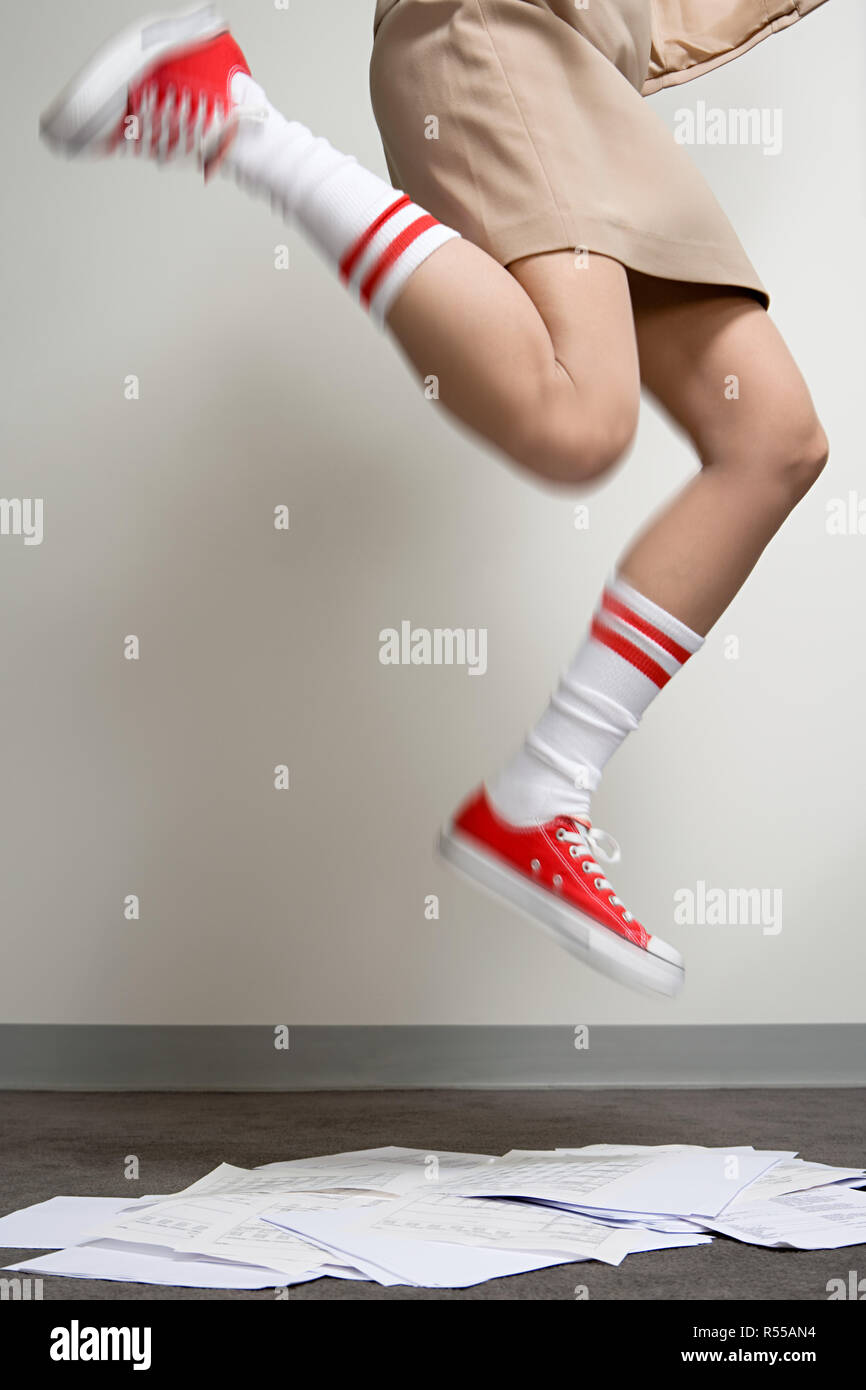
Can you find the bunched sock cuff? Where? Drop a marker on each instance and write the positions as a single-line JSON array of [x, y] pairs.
[[389, 250], [374, 235], [645, 637], [632, 650]]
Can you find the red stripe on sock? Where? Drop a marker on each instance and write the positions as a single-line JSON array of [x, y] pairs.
[[619, 610], [393, 253], [629, 652], [354, 254]]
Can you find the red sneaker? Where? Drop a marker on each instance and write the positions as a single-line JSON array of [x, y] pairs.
[[160, 88], [550, 872]]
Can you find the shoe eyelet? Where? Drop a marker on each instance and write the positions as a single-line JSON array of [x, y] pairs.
[[597, 882], [560, 834], [585, 866], [535, 865], [557, 880]]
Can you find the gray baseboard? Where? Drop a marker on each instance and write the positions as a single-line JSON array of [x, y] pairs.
[[135, 1058]]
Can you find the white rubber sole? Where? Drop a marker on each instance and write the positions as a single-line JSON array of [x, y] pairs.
[[88, 109], [595, 945]]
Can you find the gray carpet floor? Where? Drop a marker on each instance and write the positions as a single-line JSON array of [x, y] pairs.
[[65, 1143]]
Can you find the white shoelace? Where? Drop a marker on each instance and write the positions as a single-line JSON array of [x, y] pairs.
[[591, 840], [172, 129]]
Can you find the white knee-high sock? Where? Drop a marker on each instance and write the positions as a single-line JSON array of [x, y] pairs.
[[373, 234], [632, 650]]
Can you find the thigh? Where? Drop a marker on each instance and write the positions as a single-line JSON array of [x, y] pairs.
[[585, 305], [542, 361], [717, 364]]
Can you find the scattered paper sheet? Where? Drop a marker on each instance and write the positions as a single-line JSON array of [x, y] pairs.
[[793, 1175], [824, 1218], [59, 1221], [648, 1221], [434, 1216], [686, 1183], [413, 1261], [391, 1169], [95, 1261], [225, 1227]]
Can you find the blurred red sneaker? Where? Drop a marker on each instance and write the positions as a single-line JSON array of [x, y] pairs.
[[161, 88], [551, 873]]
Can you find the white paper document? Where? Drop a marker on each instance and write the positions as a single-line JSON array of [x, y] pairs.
[[420, 1262], [227, 1227], [154, 1266], [389, 1169], [825, 1218], [59, 1221], [647, 1221], [438, 1215], [794, 1175], [687, 1182]]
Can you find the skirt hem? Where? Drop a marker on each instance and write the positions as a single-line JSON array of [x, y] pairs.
[[694, 262]]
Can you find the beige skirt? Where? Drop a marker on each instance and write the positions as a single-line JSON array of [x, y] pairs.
[[521, 124]]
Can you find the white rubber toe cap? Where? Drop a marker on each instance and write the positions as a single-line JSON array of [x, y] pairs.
[[657, 947]]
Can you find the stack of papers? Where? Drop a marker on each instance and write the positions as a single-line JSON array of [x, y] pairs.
[[436, 1219]]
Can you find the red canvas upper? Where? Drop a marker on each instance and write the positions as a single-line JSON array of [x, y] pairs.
[[204, 70], [520, 846]]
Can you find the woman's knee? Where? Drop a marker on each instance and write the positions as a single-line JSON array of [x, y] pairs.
[[786, 450], [578, 445], [809, 455]]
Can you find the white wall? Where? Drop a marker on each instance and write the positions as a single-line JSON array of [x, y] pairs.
[[261, 387]]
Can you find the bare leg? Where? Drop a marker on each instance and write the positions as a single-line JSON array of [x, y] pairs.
[[718, 365], [539, 359]]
